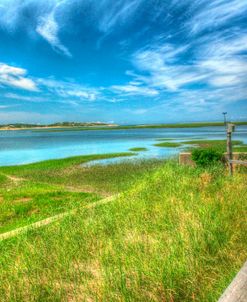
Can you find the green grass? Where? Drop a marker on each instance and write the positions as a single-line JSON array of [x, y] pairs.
[[242, 148], [29, 202], [36, 191], [176, 234], [137, 149], [206, 143], [65, 172], [168, 145], [219, 145]]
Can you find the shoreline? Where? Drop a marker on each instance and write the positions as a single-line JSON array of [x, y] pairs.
[[113, 127]]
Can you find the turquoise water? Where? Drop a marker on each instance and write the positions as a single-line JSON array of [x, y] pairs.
[[26, 146]]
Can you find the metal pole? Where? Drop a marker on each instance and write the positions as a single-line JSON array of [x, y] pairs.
[[229, 149], [224, 113]]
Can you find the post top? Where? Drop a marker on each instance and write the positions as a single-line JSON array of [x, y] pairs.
[[230, 127]]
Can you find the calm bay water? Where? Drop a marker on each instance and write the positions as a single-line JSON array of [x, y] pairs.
[[27, 146]]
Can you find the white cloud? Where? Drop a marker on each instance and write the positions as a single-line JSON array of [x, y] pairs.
[[16, 77], [216, 13], [26, 98], [164, 67], [134, 90], [110, 14], [7, 69], [81, 94], [5, 106], [70, 89], [48, 28], [43, 19], [218, 62], [139, 111]]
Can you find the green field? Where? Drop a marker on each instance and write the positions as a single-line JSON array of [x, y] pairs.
[[173, 234]]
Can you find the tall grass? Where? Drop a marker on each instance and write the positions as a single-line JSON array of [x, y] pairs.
[[176, 234]]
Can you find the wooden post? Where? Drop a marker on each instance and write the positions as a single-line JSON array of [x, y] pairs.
[[230, 129], [237, 290]]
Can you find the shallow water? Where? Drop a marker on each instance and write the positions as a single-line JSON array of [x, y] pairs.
[[27, 146]]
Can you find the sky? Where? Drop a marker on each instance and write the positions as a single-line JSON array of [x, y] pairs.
[[122, 61]]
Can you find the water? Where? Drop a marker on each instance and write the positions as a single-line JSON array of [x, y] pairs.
[[27, 146]]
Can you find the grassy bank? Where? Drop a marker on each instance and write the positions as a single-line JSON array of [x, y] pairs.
[[36, 191], [175, 234]]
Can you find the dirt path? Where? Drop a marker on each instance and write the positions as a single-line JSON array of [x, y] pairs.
[[83, 189], [14, 178], [49, 220]]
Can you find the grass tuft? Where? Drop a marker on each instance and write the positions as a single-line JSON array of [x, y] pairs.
[[168, 145], [137, 149]]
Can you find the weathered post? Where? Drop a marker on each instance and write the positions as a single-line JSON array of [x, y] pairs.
[[230, 129]]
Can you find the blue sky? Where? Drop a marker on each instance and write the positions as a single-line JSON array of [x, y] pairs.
[[122, 61]]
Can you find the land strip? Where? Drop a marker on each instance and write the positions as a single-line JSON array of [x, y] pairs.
[[81, 127]]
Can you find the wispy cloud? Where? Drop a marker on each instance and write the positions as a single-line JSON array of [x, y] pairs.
[[26, 98], [48, 28], [116, 13], [65, 89], [216, 13], [131, 89], [164, 67], [217, 63], [16, 77], [43, 20]]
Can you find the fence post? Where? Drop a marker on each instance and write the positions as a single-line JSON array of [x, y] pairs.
[[230, 129]]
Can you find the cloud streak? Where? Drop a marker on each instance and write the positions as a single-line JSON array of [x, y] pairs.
[[16, 77], [48, 28], [214, 14]]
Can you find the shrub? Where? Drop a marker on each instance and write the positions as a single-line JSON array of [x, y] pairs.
[[206, 157]]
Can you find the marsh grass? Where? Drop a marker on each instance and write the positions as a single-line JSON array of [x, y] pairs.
[[168, 145], [175, 234], [62, 172], [241, 148], [137, 149], [212, 143], [36, 191]]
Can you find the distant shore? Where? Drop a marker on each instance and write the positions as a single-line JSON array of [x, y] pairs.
[[48, 127], [77, 127]]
